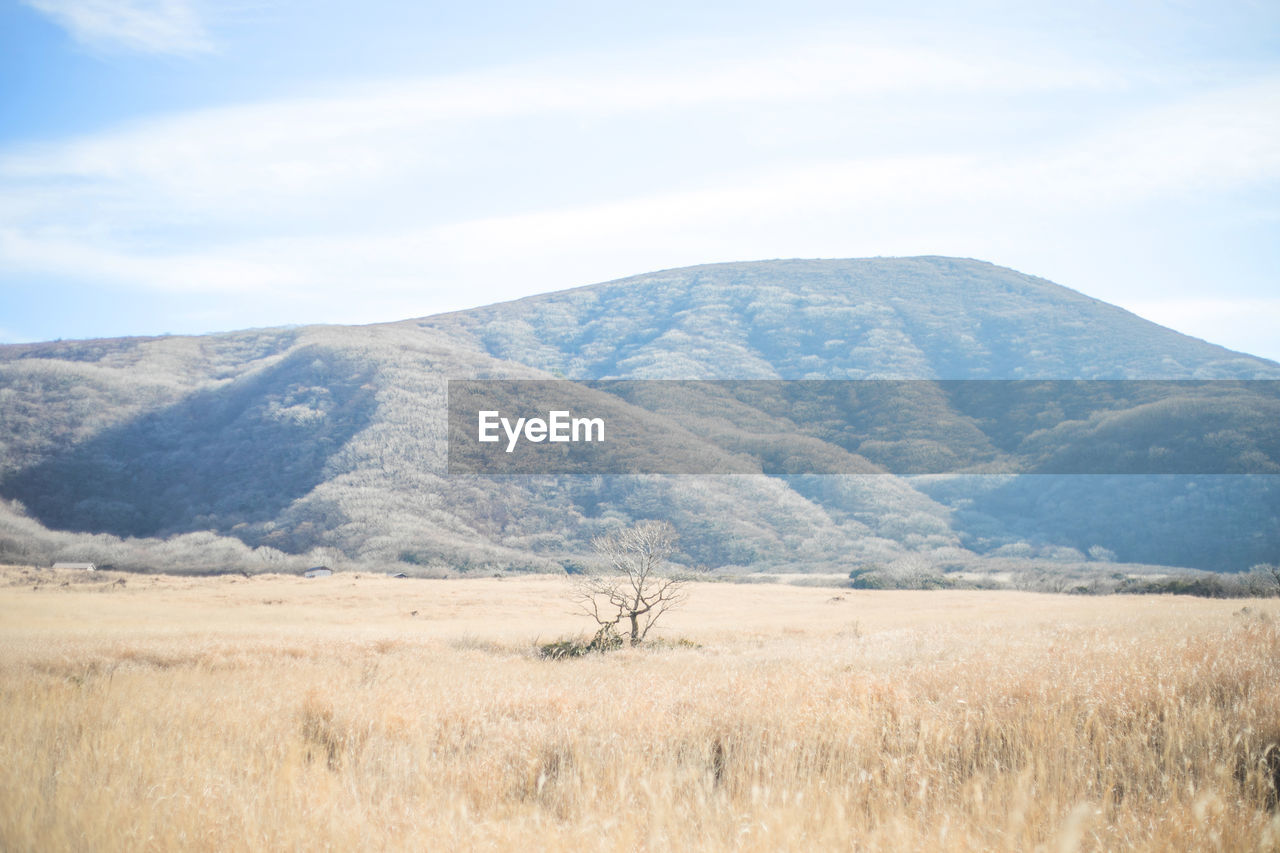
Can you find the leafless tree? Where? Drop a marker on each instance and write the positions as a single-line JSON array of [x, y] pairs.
[[636, 587]]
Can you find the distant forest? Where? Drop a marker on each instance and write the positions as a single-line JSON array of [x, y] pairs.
[[273, 449]]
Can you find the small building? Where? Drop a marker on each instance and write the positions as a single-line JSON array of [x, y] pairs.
[[318, 572], [76, 567], [396, 575]]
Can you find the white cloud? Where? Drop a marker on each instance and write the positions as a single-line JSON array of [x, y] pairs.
[[144, 26], [371, 120], [407, 192], [1221, 138], [215, 269], [133, 202]]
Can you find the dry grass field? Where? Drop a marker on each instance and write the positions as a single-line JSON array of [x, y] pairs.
[[276, 713]]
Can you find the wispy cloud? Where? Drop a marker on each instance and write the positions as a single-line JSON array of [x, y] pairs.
[[403, 154], [444, 192], [172, 27], [1225, 137], [284, 149]]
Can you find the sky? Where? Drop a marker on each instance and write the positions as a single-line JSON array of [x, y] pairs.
[[189, 166]]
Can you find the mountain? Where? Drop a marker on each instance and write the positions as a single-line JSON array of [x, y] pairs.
[[272, 447], [908, 318]]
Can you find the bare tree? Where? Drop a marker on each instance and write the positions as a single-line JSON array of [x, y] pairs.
[[636, 587]]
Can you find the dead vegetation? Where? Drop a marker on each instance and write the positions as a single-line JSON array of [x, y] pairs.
[[179, 717]]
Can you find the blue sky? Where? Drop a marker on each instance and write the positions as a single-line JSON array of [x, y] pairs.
[[185, 166]]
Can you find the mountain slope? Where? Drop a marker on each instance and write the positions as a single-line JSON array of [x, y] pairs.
[[329, 442], [900, 318]]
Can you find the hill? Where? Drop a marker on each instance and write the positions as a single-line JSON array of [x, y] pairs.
[[269, 448], [890, 318]]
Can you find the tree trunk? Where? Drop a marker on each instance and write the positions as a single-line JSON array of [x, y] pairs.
[[635, 630]]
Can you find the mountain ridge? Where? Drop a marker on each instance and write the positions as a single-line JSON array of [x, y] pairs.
[[876, 308], [142, 451]]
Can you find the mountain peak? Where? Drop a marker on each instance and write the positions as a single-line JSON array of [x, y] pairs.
[[918, 317]]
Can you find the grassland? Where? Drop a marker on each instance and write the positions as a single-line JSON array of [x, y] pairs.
[[276, 713]]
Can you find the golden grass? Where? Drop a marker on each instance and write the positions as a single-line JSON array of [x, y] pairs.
[[276, 713]]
